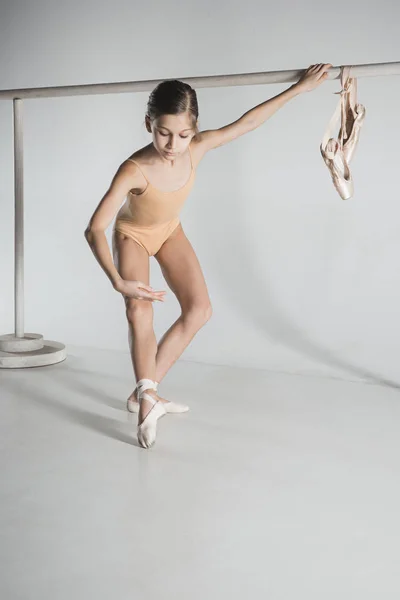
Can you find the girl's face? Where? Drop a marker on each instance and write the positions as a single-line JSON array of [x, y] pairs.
[[172, 134]]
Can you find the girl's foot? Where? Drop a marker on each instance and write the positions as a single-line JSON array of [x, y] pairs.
[[133, 399], [145, 406], [170, 407], [150, 410]]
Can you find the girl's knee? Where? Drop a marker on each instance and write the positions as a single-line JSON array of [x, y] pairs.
[[198, 314], [208, 312], [139, 311]]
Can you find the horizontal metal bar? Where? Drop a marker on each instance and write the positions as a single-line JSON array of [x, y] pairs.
[[368, 70]]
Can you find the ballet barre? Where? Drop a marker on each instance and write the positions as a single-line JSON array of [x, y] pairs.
[[291, 76]]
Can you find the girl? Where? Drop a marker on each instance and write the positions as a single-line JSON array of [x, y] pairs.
[[156, 181]]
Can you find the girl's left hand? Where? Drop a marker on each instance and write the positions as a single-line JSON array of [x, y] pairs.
[[313, 77]]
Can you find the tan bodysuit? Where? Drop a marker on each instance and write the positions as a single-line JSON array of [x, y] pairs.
[[149, 218]]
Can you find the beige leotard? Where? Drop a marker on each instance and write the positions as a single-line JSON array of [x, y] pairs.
[[149, 218]]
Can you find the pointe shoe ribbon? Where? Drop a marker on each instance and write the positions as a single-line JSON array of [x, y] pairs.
[[170, 407]]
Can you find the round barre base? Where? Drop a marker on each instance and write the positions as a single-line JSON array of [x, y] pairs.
[[50, 354], [30, 341]]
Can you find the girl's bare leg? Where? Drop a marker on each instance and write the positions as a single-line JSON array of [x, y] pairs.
[[183, 274], [132, 262]]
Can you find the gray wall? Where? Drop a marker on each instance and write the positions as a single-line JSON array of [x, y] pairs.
[[300, 281]]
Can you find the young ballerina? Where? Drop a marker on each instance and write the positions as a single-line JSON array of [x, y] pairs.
[[155, 181]]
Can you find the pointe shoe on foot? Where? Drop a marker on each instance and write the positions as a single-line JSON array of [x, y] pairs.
[[146, 431], [170, 407]]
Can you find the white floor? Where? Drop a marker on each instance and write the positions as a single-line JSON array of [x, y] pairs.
[[273, 486]]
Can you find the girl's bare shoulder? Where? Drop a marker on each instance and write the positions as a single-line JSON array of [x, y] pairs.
[[198, 148], [141, 156]]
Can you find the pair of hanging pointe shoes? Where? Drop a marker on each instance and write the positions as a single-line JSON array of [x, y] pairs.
[[337, 153], [147, 429]]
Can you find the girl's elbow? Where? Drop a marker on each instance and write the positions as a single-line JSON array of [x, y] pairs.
[[91, 231], [89, 234]]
